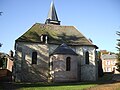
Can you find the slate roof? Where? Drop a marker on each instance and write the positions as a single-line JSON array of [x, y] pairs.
[[57, 34], [109, 56], [52, 15], [64, 49]]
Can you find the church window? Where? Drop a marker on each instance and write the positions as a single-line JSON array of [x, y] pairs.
[[68, 63], [34, 58], [51, 62], [87, 57]]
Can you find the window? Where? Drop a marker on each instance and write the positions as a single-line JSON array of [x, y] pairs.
[[34, 58], [107, 62], [108, 69], [113, 62], [87, 57], [68, 63], [44, 38], [51, 61]]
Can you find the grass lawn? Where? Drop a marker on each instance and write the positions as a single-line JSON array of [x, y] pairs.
[[103, 82], [118, 87], [58, 86]]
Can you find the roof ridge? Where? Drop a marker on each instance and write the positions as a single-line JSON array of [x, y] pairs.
[[56, 25]]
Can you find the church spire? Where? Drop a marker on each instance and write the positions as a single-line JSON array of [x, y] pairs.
[[52, 16]]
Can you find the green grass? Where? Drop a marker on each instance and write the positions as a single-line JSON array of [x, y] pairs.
[[118, 88], [59, 86]]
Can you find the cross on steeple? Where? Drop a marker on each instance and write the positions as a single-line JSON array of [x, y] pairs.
[[52, 16]]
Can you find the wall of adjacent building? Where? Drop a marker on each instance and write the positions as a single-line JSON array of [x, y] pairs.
[[109, 65], [9, 64]]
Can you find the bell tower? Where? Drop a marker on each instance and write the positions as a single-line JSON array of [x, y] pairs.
[[52, 17]]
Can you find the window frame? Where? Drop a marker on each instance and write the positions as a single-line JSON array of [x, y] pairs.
[[68, 63], [107, 62], [34, 57], [87, 61]]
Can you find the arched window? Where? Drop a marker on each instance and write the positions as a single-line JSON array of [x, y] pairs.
[[87, 57], [68, 63], [51, 62], [34, 58]]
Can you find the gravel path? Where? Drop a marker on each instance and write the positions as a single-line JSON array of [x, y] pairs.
[[113, 86]]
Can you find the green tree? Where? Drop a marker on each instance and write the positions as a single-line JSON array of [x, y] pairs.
[[118, 54], [1, 62], [0, 44], [100, 70]]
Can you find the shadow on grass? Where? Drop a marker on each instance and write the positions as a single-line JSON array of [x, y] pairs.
[[106, 79], [20, 86]]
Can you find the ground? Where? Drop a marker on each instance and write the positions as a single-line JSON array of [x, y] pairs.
[[111, 83], [108, 82], [113, 86]]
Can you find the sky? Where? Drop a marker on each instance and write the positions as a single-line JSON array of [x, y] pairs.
[[96, 19]]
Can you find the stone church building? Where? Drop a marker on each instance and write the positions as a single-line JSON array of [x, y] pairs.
[[53, 52]]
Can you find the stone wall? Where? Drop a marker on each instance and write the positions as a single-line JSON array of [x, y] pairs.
[[27, 72], [89, 72], [58, 70], [86, 72], [24, 69]]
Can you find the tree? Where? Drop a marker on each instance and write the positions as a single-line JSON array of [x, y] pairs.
[[100, 70], [118, 54], [1, 62], [0, 44]]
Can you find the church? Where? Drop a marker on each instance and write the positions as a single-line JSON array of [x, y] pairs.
[[52, 52]]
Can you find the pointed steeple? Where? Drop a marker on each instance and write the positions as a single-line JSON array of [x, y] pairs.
[[52, 16]]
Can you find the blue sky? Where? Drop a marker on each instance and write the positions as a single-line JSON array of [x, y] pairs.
[[96, 19]]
